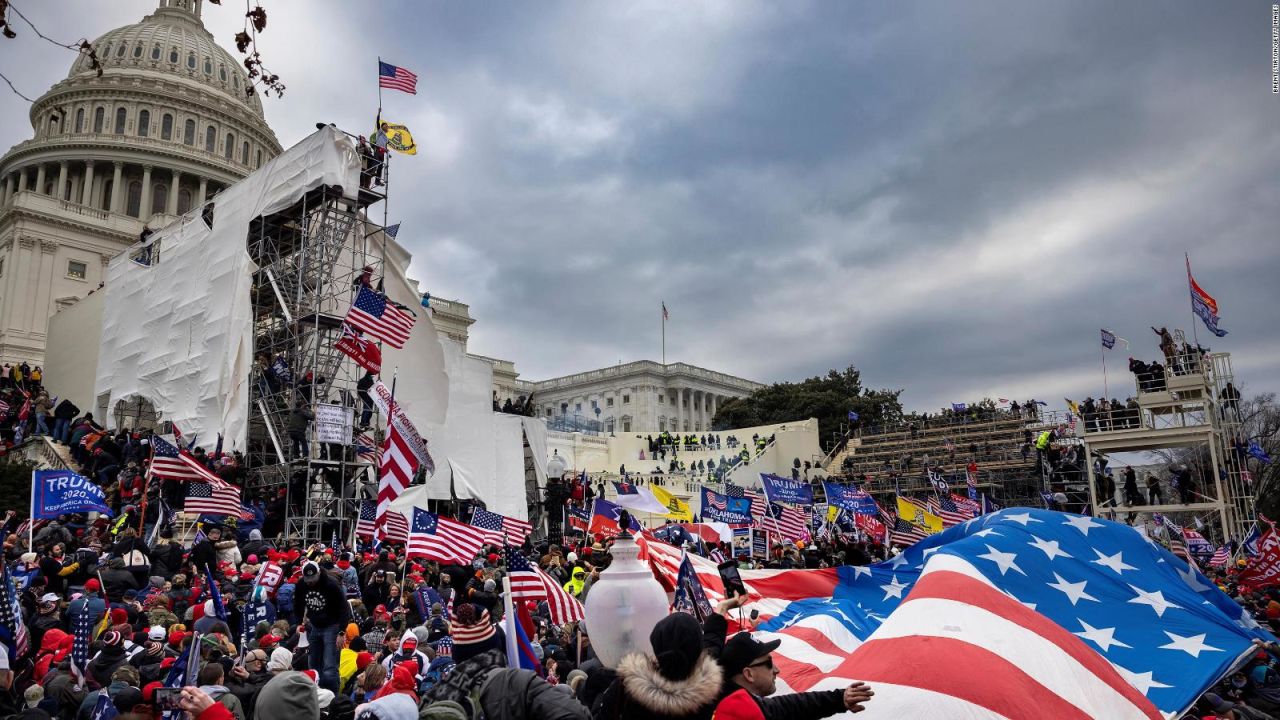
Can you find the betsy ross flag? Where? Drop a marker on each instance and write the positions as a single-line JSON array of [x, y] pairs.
[[171, 463], [207, 498], [366, 353], [500, 529], [443, 539], [397, 526], [529, 582], [373, 313], [393, 77]]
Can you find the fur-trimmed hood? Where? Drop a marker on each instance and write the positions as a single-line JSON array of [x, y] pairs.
[[677, 698]]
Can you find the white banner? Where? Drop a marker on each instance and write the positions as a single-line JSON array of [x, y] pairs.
[[333, 424], [382, 398]]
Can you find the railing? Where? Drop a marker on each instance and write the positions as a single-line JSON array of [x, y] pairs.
[[41, 451]]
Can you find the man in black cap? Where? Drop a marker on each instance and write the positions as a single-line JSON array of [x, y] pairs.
[[321, 601], [749, 668]]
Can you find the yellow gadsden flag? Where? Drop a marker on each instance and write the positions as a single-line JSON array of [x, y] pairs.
[[918, 516], [399, 138], [678, 509]]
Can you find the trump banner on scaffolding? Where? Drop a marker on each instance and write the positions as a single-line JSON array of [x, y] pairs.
[[60, 492]]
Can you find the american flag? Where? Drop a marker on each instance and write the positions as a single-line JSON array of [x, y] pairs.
[[443, 539], [501, 530], [1177, 543], [212, 499], [786, 521], [4, 409], [529, 582], [374, 314], [397, 526], [947, 509], [171, 463], [1221, 557], [104, 709], [12, 629], [82, 632], [366, 448], [758, 504], [444, 647], [397, 78], [734, 490], [954, 609], [394, 475]]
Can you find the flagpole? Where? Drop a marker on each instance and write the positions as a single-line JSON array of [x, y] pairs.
[[1195, 334], [379, 86], [664, 333], [1106, 393], [31, 514], [146, 484]]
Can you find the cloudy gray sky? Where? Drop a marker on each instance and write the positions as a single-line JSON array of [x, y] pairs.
[[953, 197]]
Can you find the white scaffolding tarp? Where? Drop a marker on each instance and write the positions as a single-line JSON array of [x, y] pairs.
[[179, 331]]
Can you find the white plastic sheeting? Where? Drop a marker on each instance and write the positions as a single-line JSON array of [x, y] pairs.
[[478, 451], [424, 387], [179, 332], [535, 429]]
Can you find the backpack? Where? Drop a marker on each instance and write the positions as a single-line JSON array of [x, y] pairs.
[[436, 672]]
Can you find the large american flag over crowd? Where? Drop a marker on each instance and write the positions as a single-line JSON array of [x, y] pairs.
[[1089, 601]]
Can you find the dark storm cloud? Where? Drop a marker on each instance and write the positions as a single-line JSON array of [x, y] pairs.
[[953, 197]]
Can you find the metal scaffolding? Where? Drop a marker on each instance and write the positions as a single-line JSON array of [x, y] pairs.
[[310, 258]]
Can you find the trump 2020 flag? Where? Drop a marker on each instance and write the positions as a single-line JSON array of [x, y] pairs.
[[605, 518], [62, 492]]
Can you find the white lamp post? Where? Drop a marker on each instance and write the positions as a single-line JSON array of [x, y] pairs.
[[624, 604]]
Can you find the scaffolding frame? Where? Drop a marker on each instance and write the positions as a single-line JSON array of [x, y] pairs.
[[309, 258], [1183, 406]]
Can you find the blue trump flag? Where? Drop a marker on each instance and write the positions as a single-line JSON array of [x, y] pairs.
[[689, 596], [851, 498], [1165, 627], [853, 416], [59, 492], [722, 508], [784, 490]]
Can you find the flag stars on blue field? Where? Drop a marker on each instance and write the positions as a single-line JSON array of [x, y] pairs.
[[1049, 547], [1104, 638], [1115, 562], [1003, 560], [1154, 599], [1075, 592], [1192, 645]]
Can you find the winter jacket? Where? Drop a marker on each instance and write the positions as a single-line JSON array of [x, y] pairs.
[[226, 698], [66, 410], [520, 695], [641, 692], [325, 604]]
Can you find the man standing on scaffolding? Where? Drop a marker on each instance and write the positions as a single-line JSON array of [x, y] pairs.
[[380, 141]]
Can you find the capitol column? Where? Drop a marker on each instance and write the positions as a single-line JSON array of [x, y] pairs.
[[8, 188], [39, 188], [200, 196], [116, 195], [61, 192], [144, 212], [86, 194], [172, 205], [22, 180]]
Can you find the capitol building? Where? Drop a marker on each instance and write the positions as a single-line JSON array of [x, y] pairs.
[[168, 124]]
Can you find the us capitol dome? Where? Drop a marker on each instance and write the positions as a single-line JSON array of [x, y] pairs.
[[168, 125]]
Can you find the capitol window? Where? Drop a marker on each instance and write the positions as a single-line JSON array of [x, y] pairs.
[[120, 50], [244, 154], [137, 50], [626, 399], [133, 206], [191, 60], [222, 73], [144, 123], [210, 139], [166, 127], [120, 118], [173, 55], [99, 116], [189, 132], [229, 148], [257, 160], [155, 53], [208, 66], [608, 402], [80, 120], [1, 267], [76, 269]]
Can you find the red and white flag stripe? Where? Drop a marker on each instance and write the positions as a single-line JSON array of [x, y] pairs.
[[395, 473], [955, 612]]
